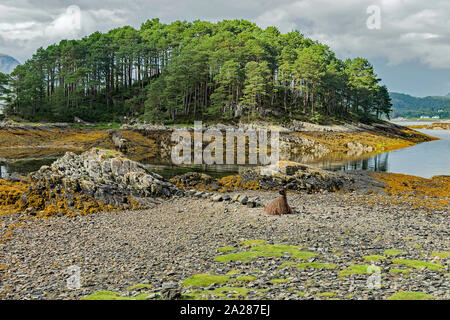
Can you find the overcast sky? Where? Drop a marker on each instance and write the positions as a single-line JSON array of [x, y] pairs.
[[410, 50]]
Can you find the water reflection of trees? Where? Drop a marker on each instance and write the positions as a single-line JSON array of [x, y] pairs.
[[379, 162]]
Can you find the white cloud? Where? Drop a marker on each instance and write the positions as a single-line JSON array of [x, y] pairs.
[[411, 30], [66, 24], [23, 30]]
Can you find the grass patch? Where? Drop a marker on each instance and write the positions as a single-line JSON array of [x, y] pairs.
[[279, 280], [233, 272], [374, 258], [234, 291], [326, 294], [405, 295], [303, 255], [240, 256], [442, 255], [402, 271], [354, 269], [266, 251], [418, 264], [316, 265], [246, 278], [219, 293], [204, 280], [110, 295], [287, 265], [253, 242], [225, 249], [394, 252], [279, 250]]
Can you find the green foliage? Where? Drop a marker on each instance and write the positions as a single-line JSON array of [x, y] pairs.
[[169, 73]]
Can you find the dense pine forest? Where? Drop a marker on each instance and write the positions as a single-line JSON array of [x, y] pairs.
[[225, 71]]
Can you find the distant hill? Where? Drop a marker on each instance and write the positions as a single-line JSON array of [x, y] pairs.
[[7, 63], [407, 106]]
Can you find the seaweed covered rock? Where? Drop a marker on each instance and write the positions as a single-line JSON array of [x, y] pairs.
[[294, 176], [283, 174], [196, 180], [97, 180]]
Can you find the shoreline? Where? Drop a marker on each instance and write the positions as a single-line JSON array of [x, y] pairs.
[[342, 224], [297, 141]]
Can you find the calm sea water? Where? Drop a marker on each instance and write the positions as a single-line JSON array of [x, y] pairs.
[[425, 160]]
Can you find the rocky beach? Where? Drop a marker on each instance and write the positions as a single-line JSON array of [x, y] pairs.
[[356, 235], [320, 252]]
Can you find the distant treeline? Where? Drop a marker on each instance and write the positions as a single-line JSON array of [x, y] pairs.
[[230, 70], [412, 107]]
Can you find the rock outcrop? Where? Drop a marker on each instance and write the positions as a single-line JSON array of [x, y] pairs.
[[97, 180], [283, 174], [294, 176]]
